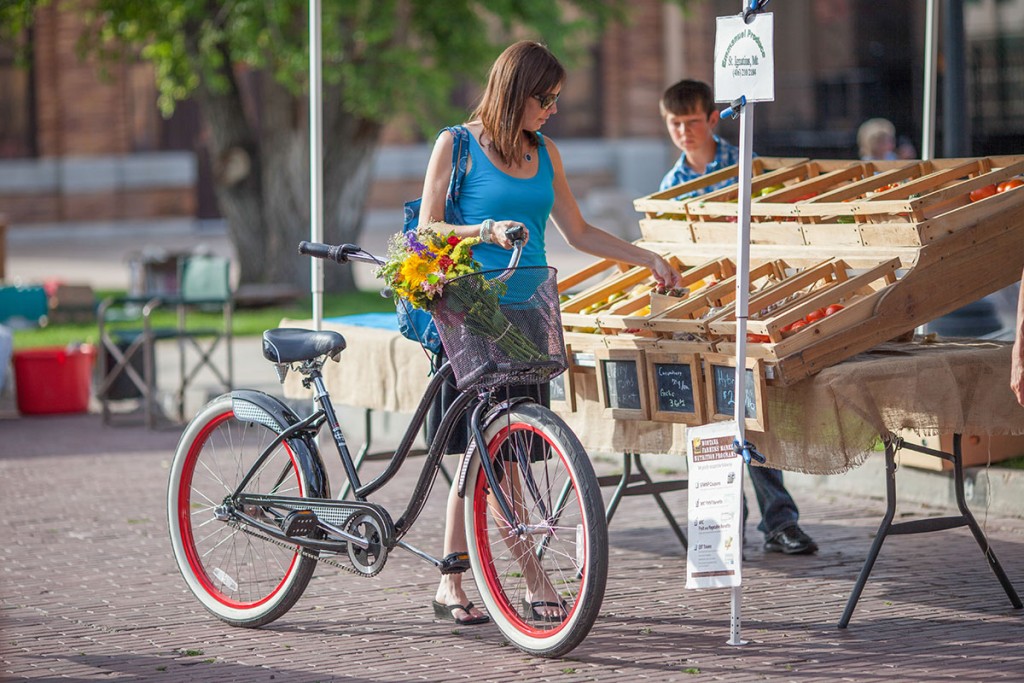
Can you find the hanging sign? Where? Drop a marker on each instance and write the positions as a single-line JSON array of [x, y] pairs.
[[745, 59], [715, 516]]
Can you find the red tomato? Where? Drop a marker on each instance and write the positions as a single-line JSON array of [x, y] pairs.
[[758, 338], [1009, 184], [815, 315], [834, 308], [983, 192], [797, 325]]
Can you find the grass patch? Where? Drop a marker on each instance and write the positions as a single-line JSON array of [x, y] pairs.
[[1013, 464], [246, 322]]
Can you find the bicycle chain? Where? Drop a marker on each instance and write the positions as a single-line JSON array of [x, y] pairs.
[[306, 553]]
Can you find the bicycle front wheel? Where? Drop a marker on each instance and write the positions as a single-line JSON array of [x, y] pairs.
[[243, 579], [555, 550]]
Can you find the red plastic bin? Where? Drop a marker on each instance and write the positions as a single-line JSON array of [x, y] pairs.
[[53, 380]]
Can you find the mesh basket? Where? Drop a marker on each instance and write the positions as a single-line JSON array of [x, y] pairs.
[[499, 333]]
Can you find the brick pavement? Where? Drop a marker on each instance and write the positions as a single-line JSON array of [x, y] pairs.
[[89, 592]]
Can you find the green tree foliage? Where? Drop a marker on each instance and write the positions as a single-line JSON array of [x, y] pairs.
[[246, 64]]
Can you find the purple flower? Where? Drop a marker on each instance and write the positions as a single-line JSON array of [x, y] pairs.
[[414, 244]]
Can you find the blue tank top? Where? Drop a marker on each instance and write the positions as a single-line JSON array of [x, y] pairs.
[[488, 192]]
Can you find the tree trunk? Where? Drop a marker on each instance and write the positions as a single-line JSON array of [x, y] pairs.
[[262, 181], [349, 145]]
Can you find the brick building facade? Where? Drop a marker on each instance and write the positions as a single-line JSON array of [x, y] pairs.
[[78, 146], [92, 138]]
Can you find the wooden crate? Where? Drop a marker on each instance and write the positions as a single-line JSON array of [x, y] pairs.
[[694, 315], [890, 208], [919, 247], [807, 292], [897, 244], [623, 302]]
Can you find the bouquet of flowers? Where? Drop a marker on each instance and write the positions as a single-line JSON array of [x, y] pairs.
[[419, 266]]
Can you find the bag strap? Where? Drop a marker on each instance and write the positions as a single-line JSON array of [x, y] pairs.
[[460, 160]]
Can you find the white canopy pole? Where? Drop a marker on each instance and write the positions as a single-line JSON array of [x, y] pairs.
[[316, 169], [742, 306], [931, 54]]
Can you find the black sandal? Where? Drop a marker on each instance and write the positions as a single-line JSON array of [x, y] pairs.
[[531, 609], [442, 611]]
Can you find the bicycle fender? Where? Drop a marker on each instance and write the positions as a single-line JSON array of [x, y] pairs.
[[492, 415], [267, 410]]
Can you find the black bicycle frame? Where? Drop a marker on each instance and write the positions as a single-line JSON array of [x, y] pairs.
[[467, 403]]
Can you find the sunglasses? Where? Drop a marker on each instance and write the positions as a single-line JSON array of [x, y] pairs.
[[546, 101]]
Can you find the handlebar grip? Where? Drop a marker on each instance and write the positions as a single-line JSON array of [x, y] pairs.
[[336, 253], [314, 249], [515, 234]]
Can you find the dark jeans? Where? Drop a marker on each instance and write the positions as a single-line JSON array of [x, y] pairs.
[[778, 509], [541, 393]]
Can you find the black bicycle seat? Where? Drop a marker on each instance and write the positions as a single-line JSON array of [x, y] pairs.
[[288, 345]]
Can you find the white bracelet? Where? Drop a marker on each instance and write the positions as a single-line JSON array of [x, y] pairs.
[[486, 231]]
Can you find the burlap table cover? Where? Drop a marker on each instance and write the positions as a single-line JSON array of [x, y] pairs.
[[379, 369], [823, 425]]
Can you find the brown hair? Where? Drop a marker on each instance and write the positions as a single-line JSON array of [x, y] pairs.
[[687, 97], [524, 69]]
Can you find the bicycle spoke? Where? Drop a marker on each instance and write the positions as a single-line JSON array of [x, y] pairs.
[[237, 574], [554, 549]]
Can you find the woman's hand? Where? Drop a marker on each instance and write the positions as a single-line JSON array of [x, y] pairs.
[[663, 272], [496, 232]]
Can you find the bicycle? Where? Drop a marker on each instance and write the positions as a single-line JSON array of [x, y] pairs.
[[249, 504]]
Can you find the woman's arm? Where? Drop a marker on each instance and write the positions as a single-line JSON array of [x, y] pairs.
[[1017, 364], [593, 240], [435, 190]]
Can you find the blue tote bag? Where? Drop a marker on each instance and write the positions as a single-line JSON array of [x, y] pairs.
[[414, 323]]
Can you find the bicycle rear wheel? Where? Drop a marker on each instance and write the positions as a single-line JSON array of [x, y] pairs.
[[562, 534], [243, 579]]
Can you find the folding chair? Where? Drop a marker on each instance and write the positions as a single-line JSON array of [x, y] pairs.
[[128, 354], [205, 287]]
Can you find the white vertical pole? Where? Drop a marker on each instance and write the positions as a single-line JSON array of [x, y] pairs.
[[931, 57], [316, 170], [742, 304]]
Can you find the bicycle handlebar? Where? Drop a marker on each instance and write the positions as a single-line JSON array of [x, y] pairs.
[[340, 253], [343, 253], [516, 236]]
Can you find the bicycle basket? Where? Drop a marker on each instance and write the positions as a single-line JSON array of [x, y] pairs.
[[499, 333]]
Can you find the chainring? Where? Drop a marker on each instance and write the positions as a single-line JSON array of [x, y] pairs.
[[367, 561]]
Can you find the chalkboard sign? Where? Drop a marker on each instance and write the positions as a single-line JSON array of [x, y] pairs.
[[563, 390], [674, 384], [676, 387], [558, 388], [720, 380], [724, 380], [622, 383]]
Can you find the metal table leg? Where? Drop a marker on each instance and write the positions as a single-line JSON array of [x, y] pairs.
[[965, 518], [629, 484]]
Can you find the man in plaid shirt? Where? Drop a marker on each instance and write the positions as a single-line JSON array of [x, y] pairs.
[[688, 108]]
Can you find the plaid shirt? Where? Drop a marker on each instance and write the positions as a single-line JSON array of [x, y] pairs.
[[726, 155]]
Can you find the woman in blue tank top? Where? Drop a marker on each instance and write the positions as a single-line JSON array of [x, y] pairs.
[[514, 178]]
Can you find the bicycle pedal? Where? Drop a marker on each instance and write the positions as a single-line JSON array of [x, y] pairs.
[[299, 523], [454, 563]]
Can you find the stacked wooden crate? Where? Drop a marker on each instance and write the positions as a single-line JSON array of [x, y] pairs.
[[844, 255]]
